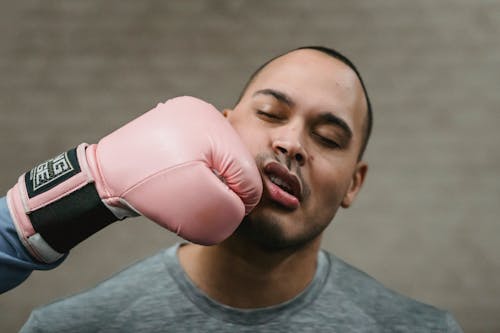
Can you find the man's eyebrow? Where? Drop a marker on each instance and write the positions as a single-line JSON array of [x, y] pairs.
[[330, 118], [280, 96]]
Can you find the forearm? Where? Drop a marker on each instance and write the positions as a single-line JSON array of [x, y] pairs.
[[16, 264]]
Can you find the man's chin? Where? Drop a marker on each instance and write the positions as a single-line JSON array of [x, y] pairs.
[[271, 234]]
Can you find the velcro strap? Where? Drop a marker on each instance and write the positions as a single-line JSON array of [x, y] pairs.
[[71, 219]]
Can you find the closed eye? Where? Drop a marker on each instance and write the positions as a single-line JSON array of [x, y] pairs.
[[267, 115], [326, 141]]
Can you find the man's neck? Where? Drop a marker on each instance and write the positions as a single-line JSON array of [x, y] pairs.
[[243, 275]]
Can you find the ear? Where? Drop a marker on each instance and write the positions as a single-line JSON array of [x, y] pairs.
[[357, 181]]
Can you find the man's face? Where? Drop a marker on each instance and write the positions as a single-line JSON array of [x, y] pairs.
[[302, 119]]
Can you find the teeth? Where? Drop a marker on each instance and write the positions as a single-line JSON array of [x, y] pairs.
[[280, 183]]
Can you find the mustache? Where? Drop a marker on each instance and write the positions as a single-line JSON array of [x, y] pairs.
[[289, 163]]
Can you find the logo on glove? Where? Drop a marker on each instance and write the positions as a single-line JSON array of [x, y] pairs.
[[52, 172]]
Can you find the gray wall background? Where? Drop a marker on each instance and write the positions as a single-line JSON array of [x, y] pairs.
[[427, 221]]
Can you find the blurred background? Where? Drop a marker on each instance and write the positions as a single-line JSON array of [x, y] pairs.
[[427, 222]]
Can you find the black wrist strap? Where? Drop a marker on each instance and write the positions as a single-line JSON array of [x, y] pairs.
[[70, 220]]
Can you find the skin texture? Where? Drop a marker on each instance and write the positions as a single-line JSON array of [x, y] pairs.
[[304, 112]]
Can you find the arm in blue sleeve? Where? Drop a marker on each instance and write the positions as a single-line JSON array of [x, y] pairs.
[[16, 264]]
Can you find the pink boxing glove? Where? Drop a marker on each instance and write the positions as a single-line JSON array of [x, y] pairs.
[[181, 165]]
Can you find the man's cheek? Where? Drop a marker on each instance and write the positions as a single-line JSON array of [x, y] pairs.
[[332, 194], [250, 140]]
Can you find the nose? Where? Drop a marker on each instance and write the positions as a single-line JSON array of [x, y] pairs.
[[288, 143]]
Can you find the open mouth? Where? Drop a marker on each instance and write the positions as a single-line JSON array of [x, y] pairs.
[[281, 183], [283, 186]]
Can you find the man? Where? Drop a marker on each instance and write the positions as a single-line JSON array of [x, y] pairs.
[[306, 118]]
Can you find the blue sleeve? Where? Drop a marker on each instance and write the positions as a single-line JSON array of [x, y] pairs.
[[16, 264]]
